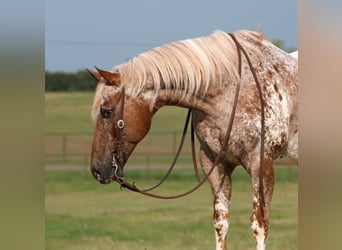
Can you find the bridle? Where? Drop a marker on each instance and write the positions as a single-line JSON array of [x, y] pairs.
[[121, 124]]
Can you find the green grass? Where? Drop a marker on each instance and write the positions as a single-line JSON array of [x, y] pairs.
[[83, 214], [68, 112]]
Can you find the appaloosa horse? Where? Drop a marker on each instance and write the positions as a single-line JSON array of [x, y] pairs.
[[204, 75]]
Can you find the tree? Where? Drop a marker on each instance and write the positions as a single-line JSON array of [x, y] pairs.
[[62, 81], [280, 44]]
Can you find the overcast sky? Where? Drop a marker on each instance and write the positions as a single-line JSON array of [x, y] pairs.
[[82, 33]]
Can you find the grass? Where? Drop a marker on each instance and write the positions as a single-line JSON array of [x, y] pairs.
[[82, 214], [68, 112]]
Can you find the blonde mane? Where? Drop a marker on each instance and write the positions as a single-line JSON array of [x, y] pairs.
[[188, 66]]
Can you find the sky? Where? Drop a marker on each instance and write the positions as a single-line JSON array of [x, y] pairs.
[[80, 34]]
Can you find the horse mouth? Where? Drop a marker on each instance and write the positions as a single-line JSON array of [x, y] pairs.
[[115, 176], [109, 172], [100, 178]]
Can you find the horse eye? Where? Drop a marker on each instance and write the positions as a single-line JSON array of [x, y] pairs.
[[106, 113]]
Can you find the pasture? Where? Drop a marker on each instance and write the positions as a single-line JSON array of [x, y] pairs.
[[83, 214]]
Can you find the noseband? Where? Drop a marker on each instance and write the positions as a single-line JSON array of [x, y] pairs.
[[121, 126]]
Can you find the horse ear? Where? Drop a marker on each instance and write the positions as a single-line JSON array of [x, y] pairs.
[[95, 75], [111, 78]]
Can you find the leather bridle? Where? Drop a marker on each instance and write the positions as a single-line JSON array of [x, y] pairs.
[[121, 124], [119, 156]]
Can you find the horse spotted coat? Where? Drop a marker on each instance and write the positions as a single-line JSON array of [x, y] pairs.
[[201, 74]]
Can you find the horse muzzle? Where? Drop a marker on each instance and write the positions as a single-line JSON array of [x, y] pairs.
[[110, 171]]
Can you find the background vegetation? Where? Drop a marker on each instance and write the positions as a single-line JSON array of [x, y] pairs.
[[63, 81]]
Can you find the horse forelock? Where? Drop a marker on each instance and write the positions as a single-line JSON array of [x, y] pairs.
[[189, 67], [97, 100]]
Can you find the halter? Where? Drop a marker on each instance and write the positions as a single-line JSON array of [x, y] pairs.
[[121, 125]]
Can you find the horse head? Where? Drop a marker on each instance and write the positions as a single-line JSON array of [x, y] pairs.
[[121, 123]]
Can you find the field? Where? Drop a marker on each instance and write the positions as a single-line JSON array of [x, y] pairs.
[[83, 214]]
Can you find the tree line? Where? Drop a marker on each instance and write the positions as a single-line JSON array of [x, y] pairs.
[[82, 81], [63, 81]]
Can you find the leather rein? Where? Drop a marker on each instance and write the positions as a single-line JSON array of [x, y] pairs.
[[120, 126]]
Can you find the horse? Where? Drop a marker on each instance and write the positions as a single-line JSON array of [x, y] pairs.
[[203, 75]]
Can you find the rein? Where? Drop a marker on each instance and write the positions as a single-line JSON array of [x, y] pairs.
[[120, 126], [262, 135]]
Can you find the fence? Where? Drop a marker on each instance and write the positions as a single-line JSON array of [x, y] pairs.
[[156, 150], [74, 149]]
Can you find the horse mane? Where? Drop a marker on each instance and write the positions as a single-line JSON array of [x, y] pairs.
[[188, 66]]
